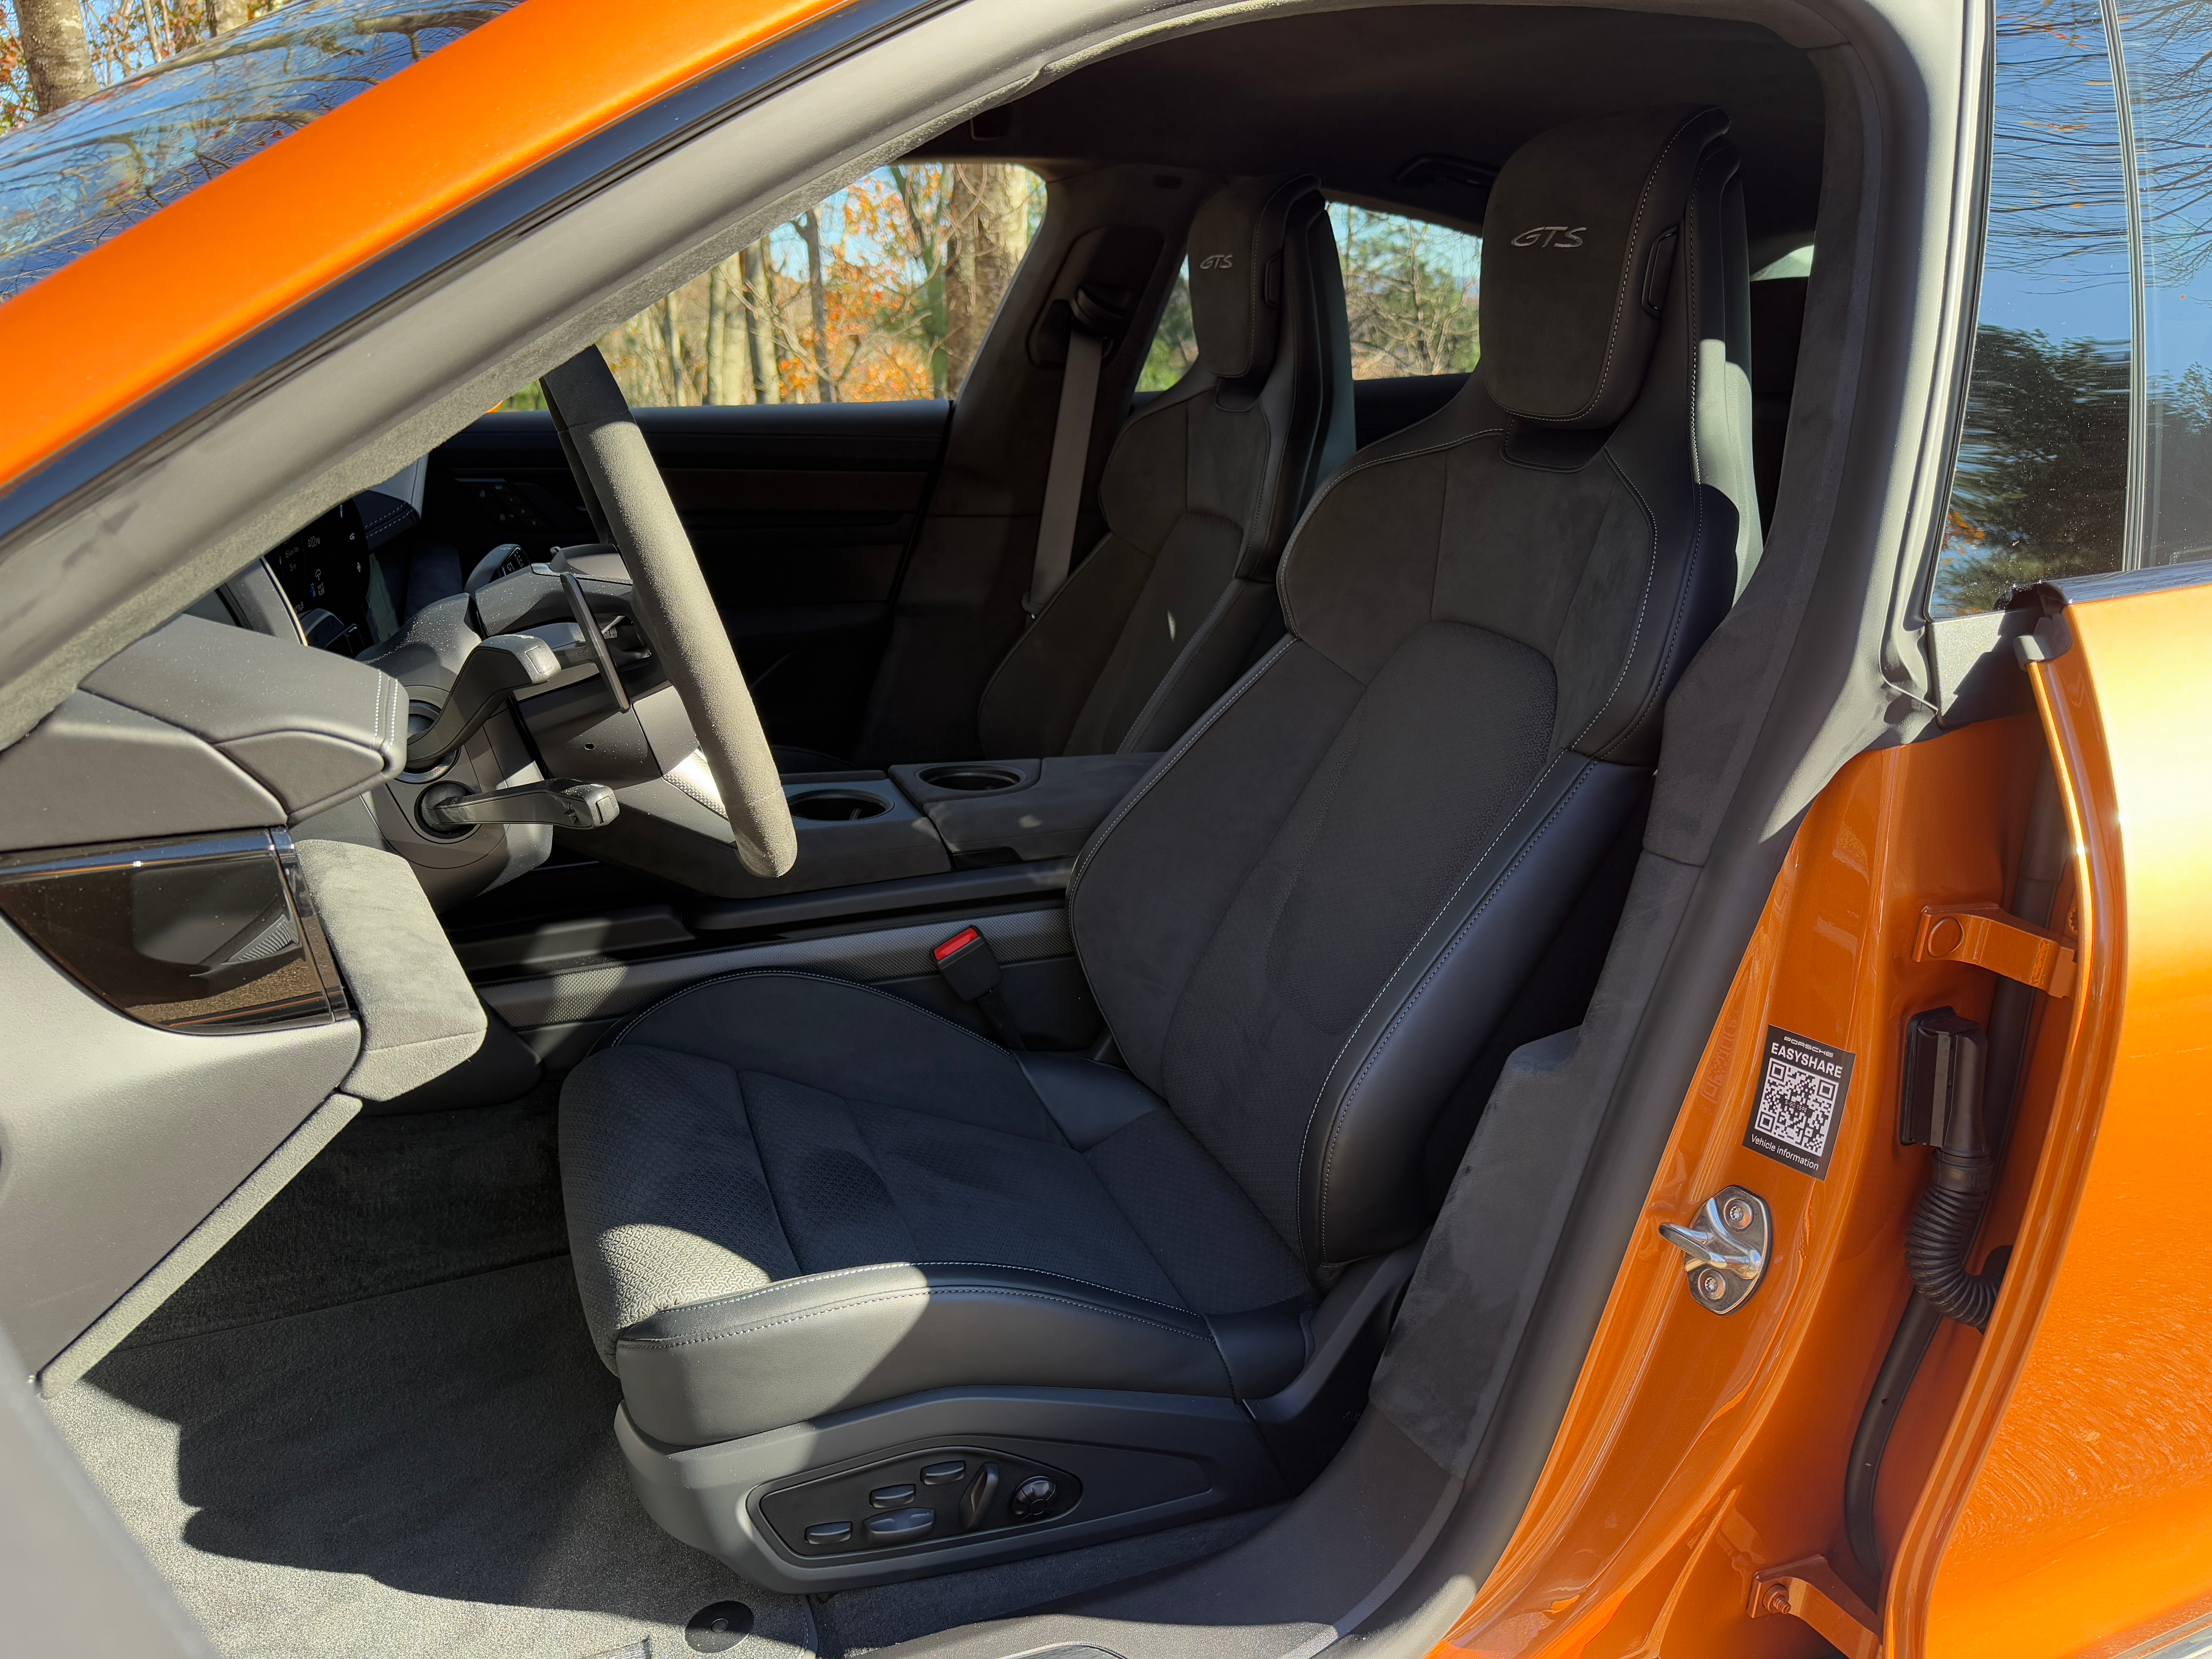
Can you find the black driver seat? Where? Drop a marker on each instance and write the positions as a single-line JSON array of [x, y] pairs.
[[813, 1224]]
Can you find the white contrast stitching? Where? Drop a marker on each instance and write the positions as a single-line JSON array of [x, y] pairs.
[[1229, 699], [735, 1297], [1329, 486], [1621, 294], [1643, 600]]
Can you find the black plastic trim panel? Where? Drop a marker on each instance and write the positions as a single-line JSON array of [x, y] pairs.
[[1146, 1461]]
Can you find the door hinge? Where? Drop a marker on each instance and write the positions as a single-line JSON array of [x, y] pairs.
[[1985, 936], [1809, 1591]]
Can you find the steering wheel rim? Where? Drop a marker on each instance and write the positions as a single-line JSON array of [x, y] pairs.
[[676, 611]]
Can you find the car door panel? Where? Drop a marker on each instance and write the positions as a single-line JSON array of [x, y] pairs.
[[2074, 1444], [182, 1033], [117, 1138]]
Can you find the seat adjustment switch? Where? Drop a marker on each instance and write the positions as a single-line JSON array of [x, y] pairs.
[[901, 1527], [1032, 1499], [975, 1503]]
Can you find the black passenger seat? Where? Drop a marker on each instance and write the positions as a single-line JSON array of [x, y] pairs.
[[819, 1231]]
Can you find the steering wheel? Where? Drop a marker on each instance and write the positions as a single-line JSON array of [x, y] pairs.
[[628, 501]]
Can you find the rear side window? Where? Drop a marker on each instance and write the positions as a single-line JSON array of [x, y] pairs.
[[1174, 342], [2086, 443], [882, 292], [1410, 293], [2040, 486]]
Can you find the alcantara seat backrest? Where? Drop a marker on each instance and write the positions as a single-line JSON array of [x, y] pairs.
[[1306, 924], [1199, 495]]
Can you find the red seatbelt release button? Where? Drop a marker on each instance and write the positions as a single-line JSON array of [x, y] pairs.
[[969, 965]]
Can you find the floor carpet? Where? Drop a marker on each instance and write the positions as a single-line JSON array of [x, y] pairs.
[[373, 1425], [428, 1472], [392, 1203]]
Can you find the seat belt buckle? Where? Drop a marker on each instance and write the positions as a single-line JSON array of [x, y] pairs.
[[970, 967]]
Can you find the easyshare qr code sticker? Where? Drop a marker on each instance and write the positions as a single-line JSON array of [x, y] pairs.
[[1801, 1089]]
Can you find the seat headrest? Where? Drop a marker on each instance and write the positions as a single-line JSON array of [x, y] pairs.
[[1236, 273], [1579, 239]]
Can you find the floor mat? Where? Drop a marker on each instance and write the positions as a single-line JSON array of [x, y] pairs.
[[392, 1203], [427, 1472]]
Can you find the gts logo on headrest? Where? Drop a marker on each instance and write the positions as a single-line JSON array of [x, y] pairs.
[[1551, 236], [1217, 262]]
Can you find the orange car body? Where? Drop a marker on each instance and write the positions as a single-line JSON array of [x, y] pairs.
[[2050, 1491], [2046, 1494]]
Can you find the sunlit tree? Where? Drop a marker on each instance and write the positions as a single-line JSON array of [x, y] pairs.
[[1410, 294]]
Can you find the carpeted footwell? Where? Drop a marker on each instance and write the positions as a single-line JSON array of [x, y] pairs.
[[428, 1472], [373, 1425]]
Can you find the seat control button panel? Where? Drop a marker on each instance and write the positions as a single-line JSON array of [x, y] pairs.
[[901, 1527], [930, 1499]]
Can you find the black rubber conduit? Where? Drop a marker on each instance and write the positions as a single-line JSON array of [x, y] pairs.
[[1950, 1210]]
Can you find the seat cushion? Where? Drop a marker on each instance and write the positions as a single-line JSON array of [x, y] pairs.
[[789, 1195]]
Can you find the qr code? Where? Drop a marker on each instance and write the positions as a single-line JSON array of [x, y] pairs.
[[1795, 1106]]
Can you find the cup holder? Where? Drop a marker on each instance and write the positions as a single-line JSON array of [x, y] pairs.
[[973, 779], [838, 807]]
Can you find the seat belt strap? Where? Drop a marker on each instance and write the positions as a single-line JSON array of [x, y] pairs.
[[1071, 448]]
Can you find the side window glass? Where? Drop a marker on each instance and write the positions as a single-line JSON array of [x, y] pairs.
[[1409, 292], [1174, 343], [2040, 487], [882, 292], [2165, 52]]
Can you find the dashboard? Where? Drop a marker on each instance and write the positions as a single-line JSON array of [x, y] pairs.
[[346, 573]]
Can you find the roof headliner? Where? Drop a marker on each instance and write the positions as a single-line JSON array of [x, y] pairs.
[[1353, 96]]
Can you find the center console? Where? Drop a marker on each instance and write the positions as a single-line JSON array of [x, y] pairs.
[[1013, 812]]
